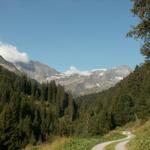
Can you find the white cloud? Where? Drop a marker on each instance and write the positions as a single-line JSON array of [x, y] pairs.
[[12, 54]]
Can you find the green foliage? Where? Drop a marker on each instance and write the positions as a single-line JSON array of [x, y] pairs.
[[87, 143], [36, 112], [141, 9], [8, 130], [30, 112], [128, 101]]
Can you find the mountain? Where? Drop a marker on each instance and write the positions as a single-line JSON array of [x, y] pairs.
[[36, 70], [41, 111], [75, 81], [8, 65], [86, 82]]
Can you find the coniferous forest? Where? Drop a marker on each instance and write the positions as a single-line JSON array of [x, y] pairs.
[[32, 113]]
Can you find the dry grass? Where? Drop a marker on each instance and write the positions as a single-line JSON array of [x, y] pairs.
[[57, 144]]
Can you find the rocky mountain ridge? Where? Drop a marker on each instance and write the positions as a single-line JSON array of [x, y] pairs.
[[75, 81], [87, 82]]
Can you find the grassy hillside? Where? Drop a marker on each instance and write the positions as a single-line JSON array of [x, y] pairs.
[[140, 142], [77, 143], [142, 139], [57, 144]]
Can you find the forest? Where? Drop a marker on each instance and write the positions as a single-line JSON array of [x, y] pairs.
[[128, 101], [33, 113]]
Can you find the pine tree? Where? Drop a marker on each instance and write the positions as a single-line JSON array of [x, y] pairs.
[[8, 129], [36, 125]]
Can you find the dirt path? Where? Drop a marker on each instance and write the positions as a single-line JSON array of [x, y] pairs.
[[122, 143]]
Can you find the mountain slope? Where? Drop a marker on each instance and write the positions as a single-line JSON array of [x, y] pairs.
[[36, 70], [142, 140], [75, 81], [128, 101], [8, 65], [86, 82], [36, 111], [31, 112]]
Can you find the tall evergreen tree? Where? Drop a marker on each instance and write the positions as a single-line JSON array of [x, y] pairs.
[[8, 130]]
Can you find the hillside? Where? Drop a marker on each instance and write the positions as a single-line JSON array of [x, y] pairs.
[[30, 112], [36, 70], [8, 65], [142, 140], [128, 101]]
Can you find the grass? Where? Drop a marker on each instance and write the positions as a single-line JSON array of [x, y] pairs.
[[57, 144], [142, 139], [77, 143], [111, 146], [88, 143]]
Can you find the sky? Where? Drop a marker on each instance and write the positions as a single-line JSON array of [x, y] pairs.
[[87, 34]]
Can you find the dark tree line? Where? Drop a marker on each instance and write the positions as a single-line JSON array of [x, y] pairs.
[[32, 113]]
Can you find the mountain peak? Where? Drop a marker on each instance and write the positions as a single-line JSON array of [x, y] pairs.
[[73, 70], [86, 82]]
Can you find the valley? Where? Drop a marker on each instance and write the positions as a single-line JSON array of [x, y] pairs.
[[42, 108], [43, 111]]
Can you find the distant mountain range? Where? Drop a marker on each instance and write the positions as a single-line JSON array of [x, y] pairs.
[[36, 70], [75, 81], [86, 82]]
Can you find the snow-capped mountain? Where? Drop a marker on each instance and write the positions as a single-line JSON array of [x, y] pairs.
[[86, 82]]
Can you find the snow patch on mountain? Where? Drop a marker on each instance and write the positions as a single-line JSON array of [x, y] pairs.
[[86, 82], [119, 78], [97, 84], [73, 70]]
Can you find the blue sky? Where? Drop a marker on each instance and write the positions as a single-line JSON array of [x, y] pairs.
[[86, 34]]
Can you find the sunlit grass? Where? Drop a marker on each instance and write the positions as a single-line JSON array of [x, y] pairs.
[[77, 143], [142, 139], [88, 143], [111, 146], [57, 144]]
